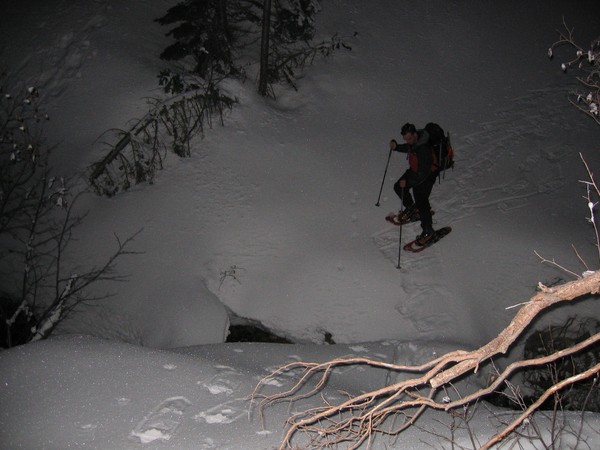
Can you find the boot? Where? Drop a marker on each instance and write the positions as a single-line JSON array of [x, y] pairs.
[[424, 237], [409, 214]]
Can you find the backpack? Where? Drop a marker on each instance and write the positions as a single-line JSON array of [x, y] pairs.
[[443, 154]]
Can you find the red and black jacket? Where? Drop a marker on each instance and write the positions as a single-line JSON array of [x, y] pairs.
[[420, 159]]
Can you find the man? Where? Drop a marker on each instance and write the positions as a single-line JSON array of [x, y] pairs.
[[420, 177]]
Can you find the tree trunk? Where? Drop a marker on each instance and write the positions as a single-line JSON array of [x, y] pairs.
[[222, 18], [263, 80]]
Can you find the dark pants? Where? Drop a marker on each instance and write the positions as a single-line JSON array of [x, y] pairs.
[[421, 194], [404, 193]]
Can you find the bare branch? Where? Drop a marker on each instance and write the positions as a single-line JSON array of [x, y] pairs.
[[594, 370], [36, 225], [358, 418], [554, 263]]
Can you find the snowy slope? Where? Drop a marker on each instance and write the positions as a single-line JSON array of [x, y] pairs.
[[285, 192], [283, 196], [90, 393]]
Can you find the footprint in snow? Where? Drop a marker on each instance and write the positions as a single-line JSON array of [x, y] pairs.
[[219, 385], [162, 422], [217, 389], [224, 413], [271, 382], [88, 430], [359, 349], [123, 401]]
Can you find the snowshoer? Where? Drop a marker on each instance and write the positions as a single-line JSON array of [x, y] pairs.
[[420, 177]]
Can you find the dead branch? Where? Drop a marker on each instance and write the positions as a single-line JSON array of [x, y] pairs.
[[170, 124], [357, 419], [554, 263], [594, 370]]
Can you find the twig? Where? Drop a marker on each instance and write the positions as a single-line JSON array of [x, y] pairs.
[[554, 263]]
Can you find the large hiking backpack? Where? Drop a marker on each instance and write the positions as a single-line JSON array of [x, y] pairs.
[[442, 148]]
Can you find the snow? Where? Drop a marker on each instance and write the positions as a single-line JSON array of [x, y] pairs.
[[273, 217]]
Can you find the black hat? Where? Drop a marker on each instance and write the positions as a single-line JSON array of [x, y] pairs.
[[408, 128]]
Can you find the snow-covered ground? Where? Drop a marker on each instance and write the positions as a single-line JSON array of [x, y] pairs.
[[283, 198]]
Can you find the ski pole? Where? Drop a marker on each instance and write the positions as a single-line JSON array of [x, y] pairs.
[[384, 175], [400, 232], [440, 170]]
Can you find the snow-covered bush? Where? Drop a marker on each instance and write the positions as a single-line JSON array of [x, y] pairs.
[[135, 154], [36, 223], [585, 65]]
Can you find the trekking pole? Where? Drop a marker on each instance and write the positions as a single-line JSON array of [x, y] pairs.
[[440, 169], [384, 174], [400, 232]]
